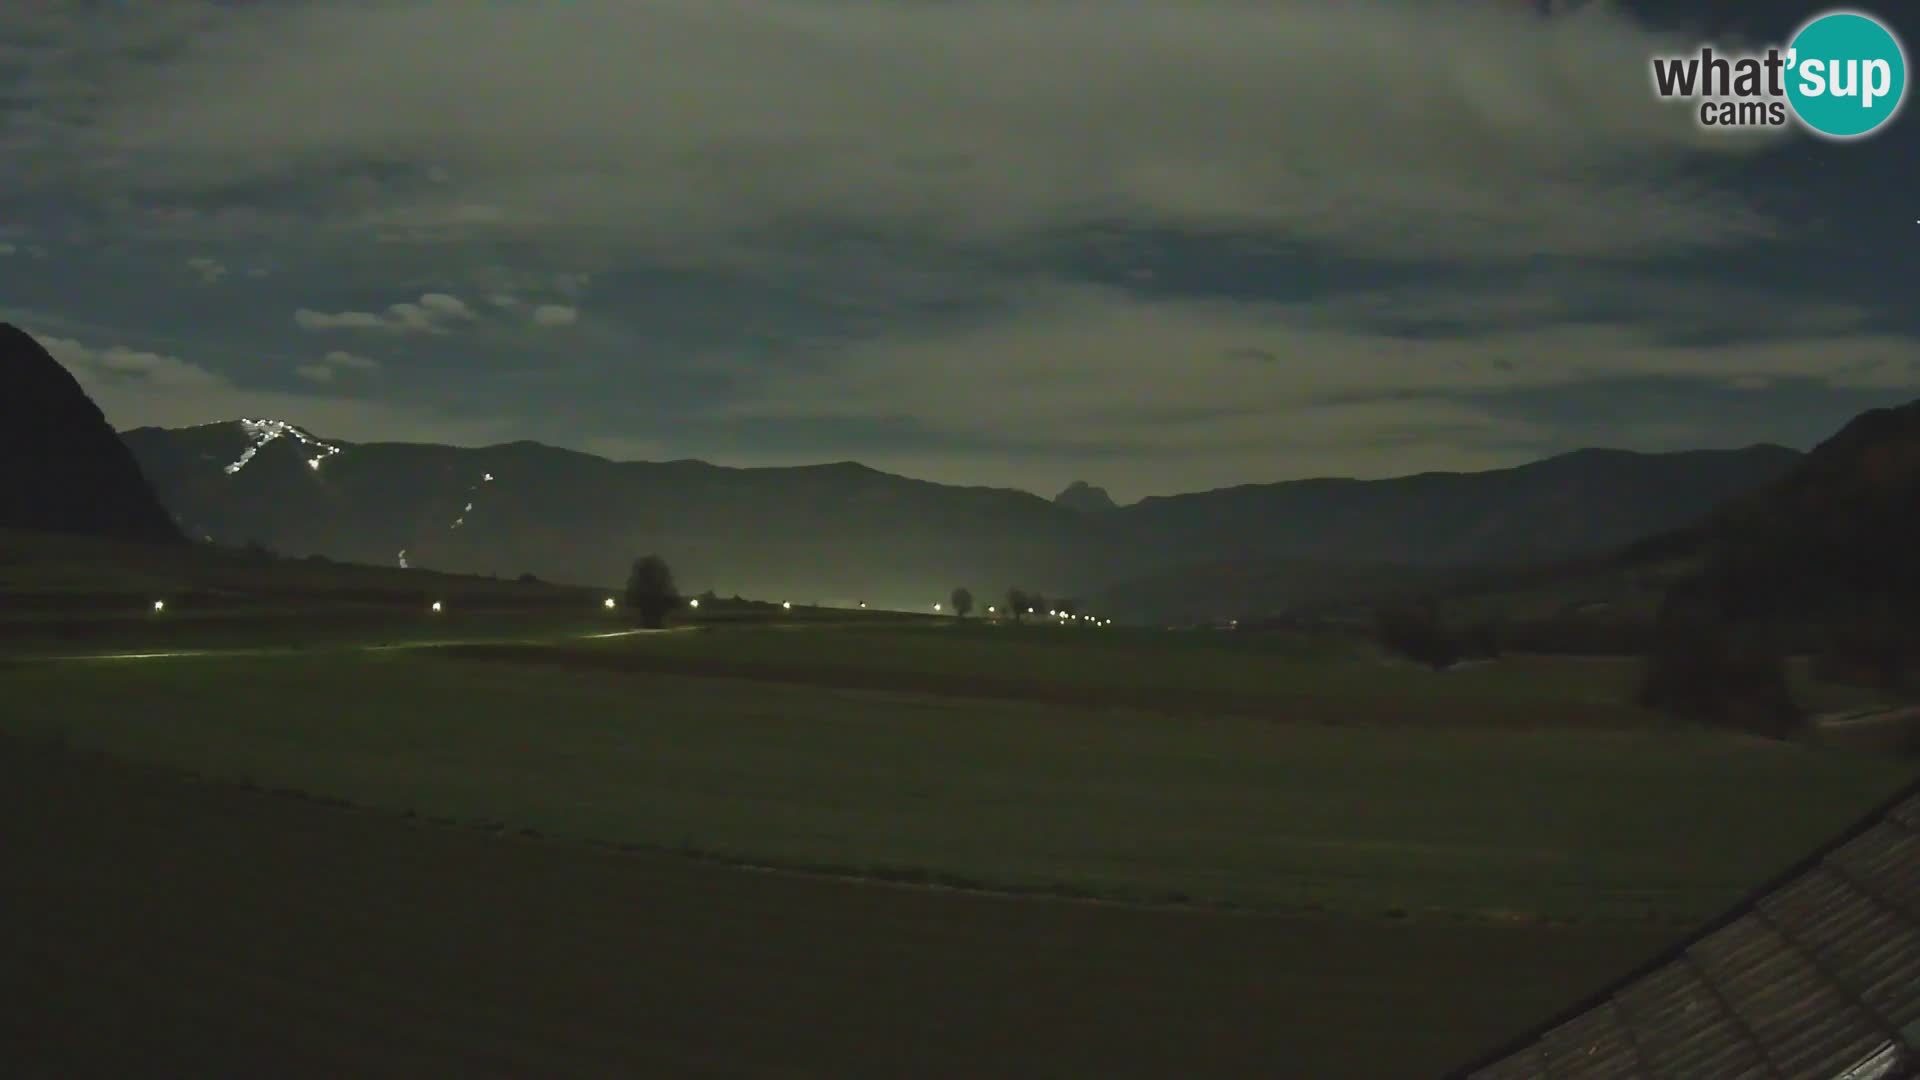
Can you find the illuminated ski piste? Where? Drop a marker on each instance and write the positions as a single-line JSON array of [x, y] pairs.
[[262, 432], [485, 478]]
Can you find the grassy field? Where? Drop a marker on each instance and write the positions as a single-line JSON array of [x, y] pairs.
[[155, 924], [1350, 867], [1315, 677], [1575, 823]]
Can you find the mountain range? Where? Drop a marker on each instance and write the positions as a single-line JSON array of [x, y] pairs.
[[62, 470], [1828, 533], [845, 533]]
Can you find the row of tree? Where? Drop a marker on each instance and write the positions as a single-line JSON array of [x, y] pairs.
[[1708, 656], [652, 595], [1417, 631]]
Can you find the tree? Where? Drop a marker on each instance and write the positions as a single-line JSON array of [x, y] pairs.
[[1017, 604], [650, 590], [962, 601], [1417, 632], [1707, 667]]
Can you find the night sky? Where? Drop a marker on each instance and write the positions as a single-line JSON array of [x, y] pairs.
[[1158, 246]]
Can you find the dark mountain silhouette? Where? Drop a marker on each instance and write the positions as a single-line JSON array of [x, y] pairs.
[[838, 533], [1586, 500], [844, 533], [1836, 537], [1819, 559], [1315, 543], [1085, 498], [62, 468]]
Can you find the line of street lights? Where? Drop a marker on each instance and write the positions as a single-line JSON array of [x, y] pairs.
[[439, 607]]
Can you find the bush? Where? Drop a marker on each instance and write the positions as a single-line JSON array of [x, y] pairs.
[[1416, 632], [1707, 668]]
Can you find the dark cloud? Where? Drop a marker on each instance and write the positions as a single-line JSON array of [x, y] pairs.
[[977, 241]]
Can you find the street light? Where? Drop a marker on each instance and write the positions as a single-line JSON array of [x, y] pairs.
[[608, 603], [787, 604], [936, 607], [159, 606], [695, 602], [436, 605]]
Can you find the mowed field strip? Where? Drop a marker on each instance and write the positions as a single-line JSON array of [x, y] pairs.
[[861, 751], [151, 923]]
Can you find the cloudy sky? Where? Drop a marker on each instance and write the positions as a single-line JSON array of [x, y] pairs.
[[1156, 245]]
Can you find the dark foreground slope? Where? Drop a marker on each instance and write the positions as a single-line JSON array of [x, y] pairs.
[[154, 924], [62, 468]]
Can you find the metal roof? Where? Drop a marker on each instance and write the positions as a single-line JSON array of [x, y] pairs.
[[1815, 975]]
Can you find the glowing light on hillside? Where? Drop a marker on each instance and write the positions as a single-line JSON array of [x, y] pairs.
[[261, 432], [403, 558], [989, 609], [787, 604], [695, 602], [609, 603], [436, 606], [936, 607], [159, 605]]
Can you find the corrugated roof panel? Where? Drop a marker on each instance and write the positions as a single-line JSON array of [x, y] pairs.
[[1683, 1028], [1592, 1046], [1810, 977]]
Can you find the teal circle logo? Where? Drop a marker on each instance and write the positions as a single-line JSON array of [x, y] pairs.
[[1847, 74]]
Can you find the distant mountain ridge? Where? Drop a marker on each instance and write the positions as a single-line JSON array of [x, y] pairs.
[[845, 533], [62, 467], [832, 533], [1085, 498]]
